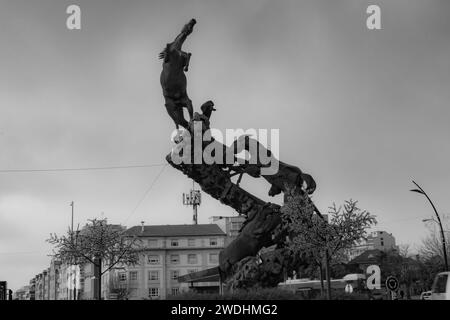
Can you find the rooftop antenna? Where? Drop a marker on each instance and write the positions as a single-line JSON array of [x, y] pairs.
[[193, 198]]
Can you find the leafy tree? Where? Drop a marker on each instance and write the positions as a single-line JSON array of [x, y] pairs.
[[429, 268], [324, 241], [432, 244], [404, 250], [405, 269], [102, 244]]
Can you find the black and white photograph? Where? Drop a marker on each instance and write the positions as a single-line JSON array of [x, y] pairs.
[[247, 152]]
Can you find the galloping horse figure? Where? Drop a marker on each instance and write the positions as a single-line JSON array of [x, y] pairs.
[[173, 79]]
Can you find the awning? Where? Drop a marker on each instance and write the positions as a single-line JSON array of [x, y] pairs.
[[207, 275]]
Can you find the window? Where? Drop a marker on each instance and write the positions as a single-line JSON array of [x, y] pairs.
[[192, 270], [175, 258], [192, 258], [382, 243], [235, 226], [122, 276], [133, 275], [153, 275], [153, 243], [213, 242], [174, 243], [153, 259], [213, 258], [174, 274], [440, 284], [153, 292], [175, 291], [191, 242]]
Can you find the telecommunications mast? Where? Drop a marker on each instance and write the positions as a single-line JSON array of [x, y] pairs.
[[193, 198]]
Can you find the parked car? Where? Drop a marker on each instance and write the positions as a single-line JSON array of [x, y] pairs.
[[441, 287], [426, 295]]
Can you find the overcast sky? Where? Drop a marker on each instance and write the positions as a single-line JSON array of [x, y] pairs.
[[363, 111]]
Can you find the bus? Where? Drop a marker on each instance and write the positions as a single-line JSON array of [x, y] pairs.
[[310, 288]]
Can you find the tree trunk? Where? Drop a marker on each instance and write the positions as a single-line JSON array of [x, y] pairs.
[[327, 273], [322, 288], [98, 279]]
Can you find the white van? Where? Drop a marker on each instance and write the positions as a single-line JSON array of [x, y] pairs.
[[441, 287]]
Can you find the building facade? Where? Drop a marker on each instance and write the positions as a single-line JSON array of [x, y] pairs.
[[231, 225], [38, 292], [169, 252], [54, 281], [22, 293], [377, 240], [31, 290]]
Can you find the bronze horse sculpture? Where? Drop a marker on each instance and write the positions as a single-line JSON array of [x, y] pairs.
[[265, 224], [173, 79]]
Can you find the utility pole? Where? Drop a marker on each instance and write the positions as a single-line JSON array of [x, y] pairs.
[[193, 198], [74, 265], [327, 261], [71, 228]]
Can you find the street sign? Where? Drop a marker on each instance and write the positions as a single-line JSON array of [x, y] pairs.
[[392, 283]]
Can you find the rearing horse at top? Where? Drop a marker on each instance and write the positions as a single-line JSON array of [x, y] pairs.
[[173, 79]]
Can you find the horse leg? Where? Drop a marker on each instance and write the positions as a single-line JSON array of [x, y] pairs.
[[190, 108], [187, 57], [176, 113], [182, 120]]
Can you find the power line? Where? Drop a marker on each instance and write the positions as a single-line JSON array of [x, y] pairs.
[[81, 169], [145, 194]]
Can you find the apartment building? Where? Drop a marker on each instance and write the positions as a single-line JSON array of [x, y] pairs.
[[22, 293], [54, 281], [41, 286], [231, 225], [31, 291], [376, 240], [169, 251]]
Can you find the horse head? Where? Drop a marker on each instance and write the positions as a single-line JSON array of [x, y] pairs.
[[173, 51], [188, 27]]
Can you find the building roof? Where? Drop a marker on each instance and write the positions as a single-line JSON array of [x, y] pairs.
[[177, 230], [368, 257]]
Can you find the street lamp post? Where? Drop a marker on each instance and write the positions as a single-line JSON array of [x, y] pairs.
[[421, 191]]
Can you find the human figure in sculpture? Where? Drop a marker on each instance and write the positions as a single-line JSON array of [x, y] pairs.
[[173, 79]]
